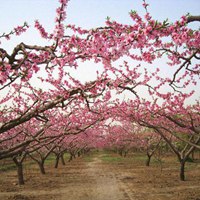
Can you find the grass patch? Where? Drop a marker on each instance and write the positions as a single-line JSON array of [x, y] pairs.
[[111, 158], [52, 158], [191, 165], [130, 158], [7, 167], [66, 156], [139, 157], [88, 158]]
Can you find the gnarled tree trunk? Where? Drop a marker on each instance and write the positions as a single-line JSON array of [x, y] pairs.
[[19, 171], [41, 166], [62, 159], [148, 160], [182, 169], [57, 161]]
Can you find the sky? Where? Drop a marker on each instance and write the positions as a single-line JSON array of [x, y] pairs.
[[84, 13], [88, 13], [91, 12]]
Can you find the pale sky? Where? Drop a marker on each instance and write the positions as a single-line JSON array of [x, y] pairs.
[[84, 10], [90, 13]]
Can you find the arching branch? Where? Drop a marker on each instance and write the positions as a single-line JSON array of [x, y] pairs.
[[193, 19]]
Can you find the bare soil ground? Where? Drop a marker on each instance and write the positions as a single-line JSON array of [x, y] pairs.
[[101, 176]]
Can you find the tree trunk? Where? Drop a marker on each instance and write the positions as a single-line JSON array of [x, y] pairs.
[[62, 159], [57, 161], [182, 170], [125, 153], [41, 166], [148, 160], [19, 171], [20, 174]]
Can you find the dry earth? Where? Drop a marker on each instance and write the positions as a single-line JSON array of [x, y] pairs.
[[104, 177]]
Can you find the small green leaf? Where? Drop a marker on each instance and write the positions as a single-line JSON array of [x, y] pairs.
[[108, 18]]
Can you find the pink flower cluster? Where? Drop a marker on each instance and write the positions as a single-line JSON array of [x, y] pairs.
[[41, 29]]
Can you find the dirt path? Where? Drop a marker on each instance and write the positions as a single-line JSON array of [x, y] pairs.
[[106, 185], [101, 184]]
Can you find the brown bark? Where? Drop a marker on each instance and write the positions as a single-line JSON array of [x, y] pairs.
[[193, 19], [148, 160], [182, 170], [57, 161], [19, 171], [62, 159], [41, 166]]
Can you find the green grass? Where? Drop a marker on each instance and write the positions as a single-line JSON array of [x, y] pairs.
[[88, 158], [51, 158], [130, 158], [139, 157], [10, 165], [191, 165], [111, 158], [7, 167]]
